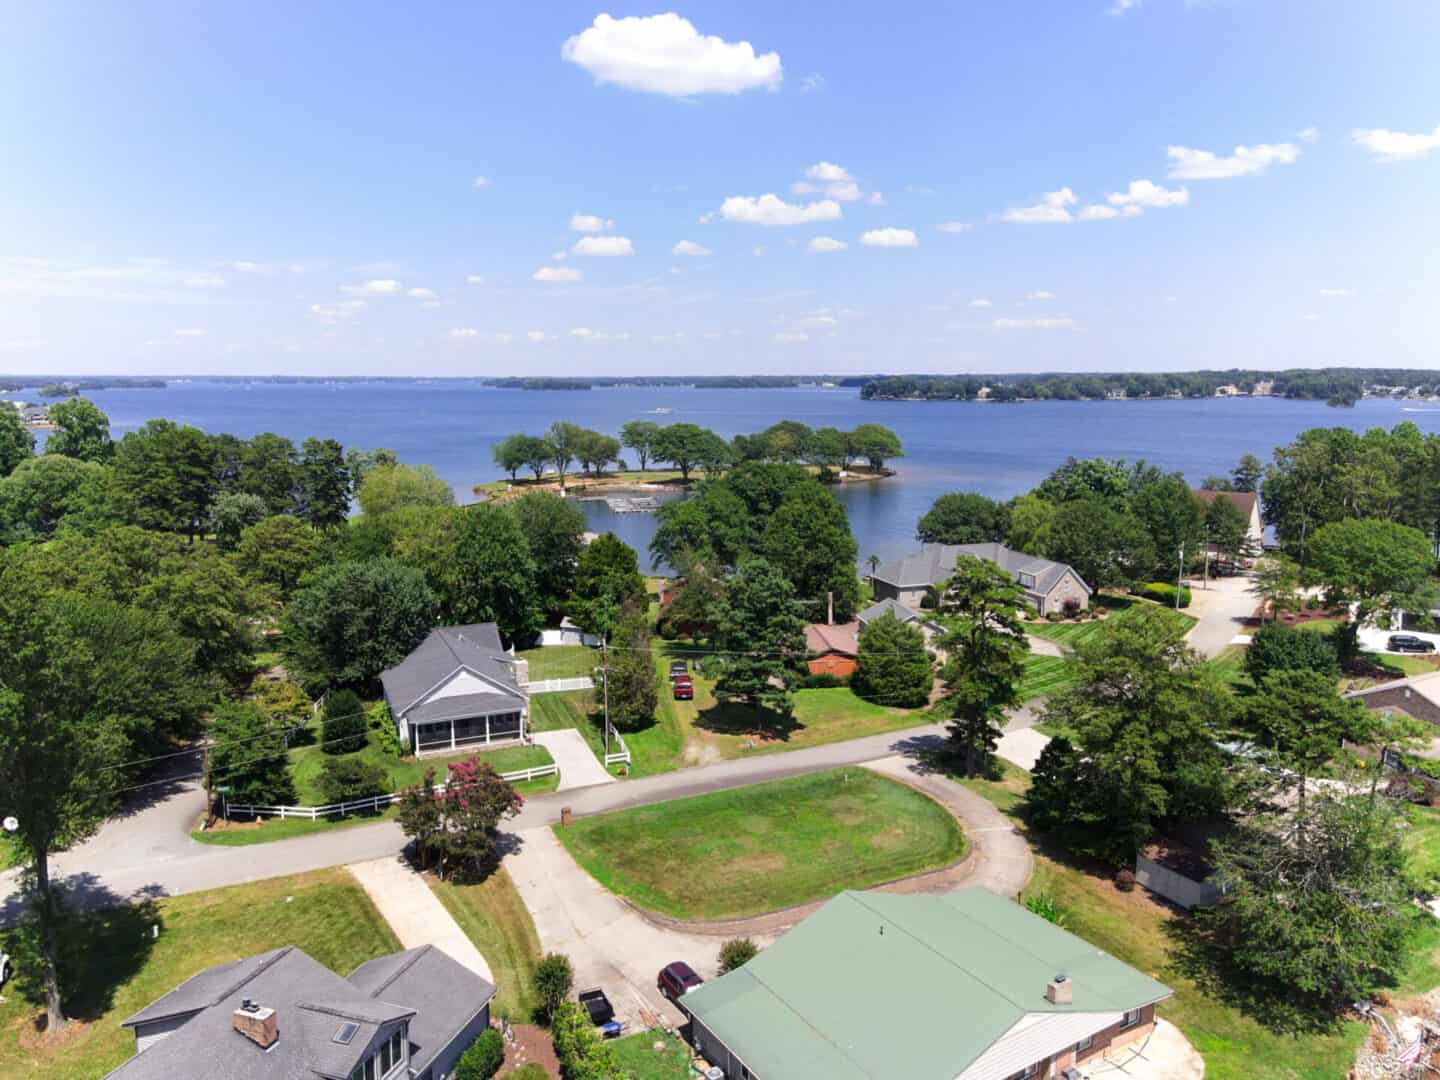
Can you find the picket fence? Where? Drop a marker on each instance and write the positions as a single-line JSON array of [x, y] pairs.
[[555, 686], [623, 754]]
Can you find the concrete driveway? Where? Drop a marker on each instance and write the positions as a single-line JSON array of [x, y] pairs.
[[1223, 610], [578, 765], [414, 912]]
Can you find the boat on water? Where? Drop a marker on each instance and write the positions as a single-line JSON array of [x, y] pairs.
[[662, 409]]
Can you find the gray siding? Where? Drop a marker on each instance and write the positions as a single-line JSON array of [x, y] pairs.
[[444, 1062]]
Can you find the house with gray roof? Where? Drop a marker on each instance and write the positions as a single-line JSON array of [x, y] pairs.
[[964, 985], [458, 689], [914, 581], [284, 1016]]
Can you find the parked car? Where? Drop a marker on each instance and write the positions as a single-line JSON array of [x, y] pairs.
[[1408, 643], [600, 1011], [684, 689], [679, 668], [677, 979]]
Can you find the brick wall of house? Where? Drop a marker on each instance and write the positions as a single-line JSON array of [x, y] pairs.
[[842, 667], [1111, 1038]]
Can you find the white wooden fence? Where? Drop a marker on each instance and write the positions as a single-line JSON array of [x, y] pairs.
[[371, 804], [555, 686], [623, 754]]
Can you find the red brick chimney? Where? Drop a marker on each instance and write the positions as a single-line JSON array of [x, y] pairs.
[[256, 1023]]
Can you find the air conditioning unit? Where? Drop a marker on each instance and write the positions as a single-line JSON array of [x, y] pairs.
[[715, 1072]]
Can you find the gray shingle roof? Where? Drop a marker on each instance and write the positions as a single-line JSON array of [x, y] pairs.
[[444, 651], [891, 605], [933, 563], [444, 993]]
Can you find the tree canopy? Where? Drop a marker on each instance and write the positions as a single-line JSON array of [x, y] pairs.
[[81, 431]]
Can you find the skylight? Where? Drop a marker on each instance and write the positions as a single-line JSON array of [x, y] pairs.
[[346, 1033]]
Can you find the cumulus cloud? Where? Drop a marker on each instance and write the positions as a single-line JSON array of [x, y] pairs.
[[204, 281], [1188, 164], [821, 245], [1040, 294], [812, 83], [790, 337], [333, 313], [773, 210], [421, 294], [1046, 322], [1389, 146], [461, 332], [1148, 195], [890, 238], [480, 183], [690, 247], [954, 226], [981, 303], [1337, 293], [557, 275], [1052, 209], [474, 279], [603, 246], [1099, 212], [245, 266], [590, 223], [375, 287], [834, 182], [665, 54]]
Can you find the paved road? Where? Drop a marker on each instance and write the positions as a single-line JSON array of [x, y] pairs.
[[1222, 610]]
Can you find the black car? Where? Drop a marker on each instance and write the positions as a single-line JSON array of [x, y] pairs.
[[1408, 643], [678, 668]]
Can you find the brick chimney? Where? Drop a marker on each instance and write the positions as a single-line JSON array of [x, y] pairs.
[[1059, 991], [256, 1023], [521, 667]]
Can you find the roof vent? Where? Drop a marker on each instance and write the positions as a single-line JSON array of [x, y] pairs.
[[1059, 990], [257, 1023]]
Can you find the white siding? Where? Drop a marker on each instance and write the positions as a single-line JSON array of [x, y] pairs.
[[1035, 1037]]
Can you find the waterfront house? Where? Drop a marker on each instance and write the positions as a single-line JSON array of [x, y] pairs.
[[1248, 504], [284, 1016], [458, 689], [964, 985], [915, 581]]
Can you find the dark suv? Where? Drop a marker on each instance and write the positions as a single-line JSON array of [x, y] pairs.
[[677, 979], [1408, 643], [678, 668]]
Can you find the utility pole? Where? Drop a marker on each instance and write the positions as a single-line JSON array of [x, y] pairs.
[[1180, 577], [605, 674]]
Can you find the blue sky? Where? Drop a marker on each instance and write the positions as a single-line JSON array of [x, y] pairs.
[[271, 187]]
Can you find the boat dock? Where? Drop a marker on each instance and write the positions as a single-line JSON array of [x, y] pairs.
[[639, 504]]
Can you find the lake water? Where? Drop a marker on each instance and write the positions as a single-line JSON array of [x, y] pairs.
[[999, 450]]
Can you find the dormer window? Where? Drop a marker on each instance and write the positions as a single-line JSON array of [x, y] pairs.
[[1027, 581], [387, 1061]]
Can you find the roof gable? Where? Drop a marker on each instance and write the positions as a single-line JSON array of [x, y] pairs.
[[445, 651], [934, 563]]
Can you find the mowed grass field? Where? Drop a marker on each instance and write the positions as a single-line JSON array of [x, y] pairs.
[[756, 849], [1045, 675], [1073, 634], [120, 968], [496, 920]]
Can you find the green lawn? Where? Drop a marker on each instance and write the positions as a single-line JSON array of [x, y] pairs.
[[560, 661], [1045, 675], [640, 1060], [1320, 626], [306, 762], [1422, 840], [243, 834], [1400, 664], [1229, 665], [1073, 634], [326, 914], [495, 919], [755, 849], [573, 709]]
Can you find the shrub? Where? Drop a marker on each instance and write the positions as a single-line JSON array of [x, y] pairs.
[[554, 978], [893, 666], [1125, 880], [1071, 606], [736, 953], [1163, 593], [822, 680], [482, 1058], [386, 732], [346, 778], [1054, 616], [343, 724], [1044, 905], [580, 1048], [1284, 648]]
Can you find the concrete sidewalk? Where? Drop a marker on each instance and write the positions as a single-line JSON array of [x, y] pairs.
[[414, 913], [579, 767]]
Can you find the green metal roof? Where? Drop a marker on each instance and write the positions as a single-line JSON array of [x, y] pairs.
[[881, 985]]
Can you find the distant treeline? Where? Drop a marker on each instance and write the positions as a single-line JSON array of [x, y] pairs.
[[699, 382], [1337, 385], [62, 387]]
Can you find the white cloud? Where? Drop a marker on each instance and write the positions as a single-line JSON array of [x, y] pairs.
[[1150, 195], [954, 226], [1050, 210], [421, 294], [1040, 294], [461, 332], [474, 279], [890, 238], [205, 281], [557, 275], [1337, 293], [790, 337], [1120, 7], [605, 246], [190, 333], [590, 223], [1047, 322], [834, 182], [827, 172], [1098, 212], [480, 183], [245, 266], [690, 247], [812, 83], [376, 287], [981, 303], [773, 210], [665, 54], [1389, 146], [584, 333], [538, 336], [1188, 164], [1309, 134], [821, 245]]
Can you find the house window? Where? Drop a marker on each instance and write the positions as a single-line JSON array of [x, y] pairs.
[[1085, 1044], [1130, 1019], [1027, 581], [1026, 1073]]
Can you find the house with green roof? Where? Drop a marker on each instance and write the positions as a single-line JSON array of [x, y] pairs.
[[958, 986]]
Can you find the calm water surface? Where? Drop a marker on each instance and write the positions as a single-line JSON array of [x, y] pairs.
[[1000, 450]]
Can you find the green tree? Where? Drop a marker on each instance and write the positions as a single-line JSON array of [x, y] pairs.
[[1172, 518], [554, 531], [759, 634], [640, 435], [786, 441], [474, 802], [164, 477], [1375, 567], [985, 650], [1301, 489], [1031, 521], [511, 454], [343, 779], [1106, 547], [682, 445], [808, 539], [1247, 473], [231, 513], [963, 517], [876, 444], [1276, 582], [204, 597], [81, 431], [564, 440], [893, 668], [322, 483], [483, 1057], [353, 620], [48, 492], [391, 487], [607, 582], [1284, 648], [359, 463], [537, 453], [553, 979], [828, 448], [494, 574], [17, 442], [247, 755], [268, 469], [694, 606], [342, 723], [276, 552], [594, 451], [736, 953], [421, 816], [1227, 529], [630, 675], [1109, 481]]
